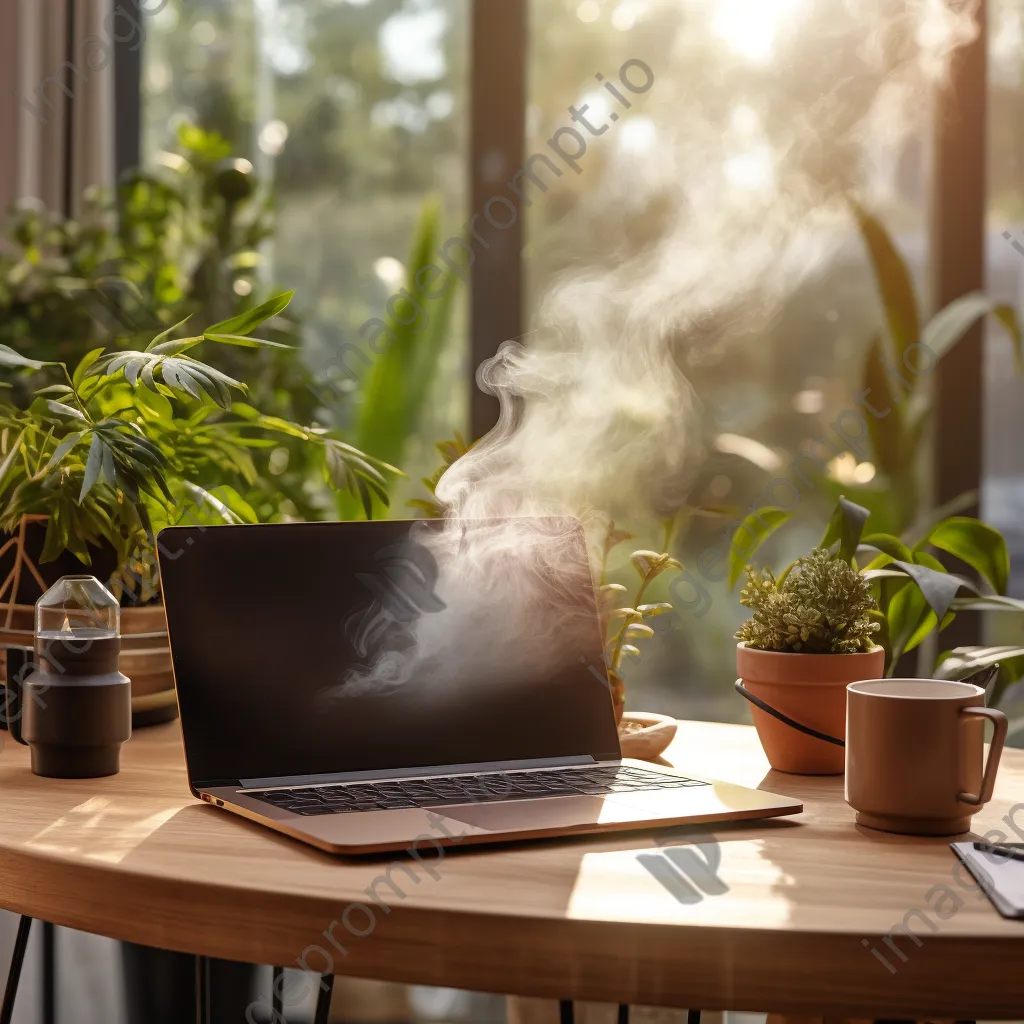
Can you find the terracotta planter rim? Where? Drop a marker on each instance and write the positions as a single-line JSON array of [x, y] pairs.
[[793, 668]]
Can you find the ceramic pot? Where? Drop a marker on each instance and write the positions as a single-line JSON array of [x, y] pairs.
[[811, 690]]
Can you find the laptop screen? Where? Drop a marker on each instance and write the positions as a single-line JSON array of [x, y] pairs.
[[320, 648]]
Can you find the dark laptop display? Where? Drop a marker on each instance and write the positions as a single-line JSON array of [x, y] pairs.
[[384, 645]]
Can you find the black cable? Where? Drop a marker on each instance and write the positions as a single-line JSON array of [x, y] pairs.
[[792, 723]]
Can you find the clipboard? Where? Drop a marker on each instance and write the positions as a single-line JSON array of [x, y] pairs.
[[1001, 878]]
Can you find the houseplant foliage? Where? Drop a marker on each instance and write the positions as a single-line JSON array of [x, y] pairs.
[[912, 596], [132, 441], [915, 594], [893, 393], [899, 361], [821, 606], [811, 634], [182, 238]]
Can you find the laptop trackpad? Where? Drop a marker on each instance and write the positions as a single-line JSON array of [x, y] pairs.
[[561, 812]]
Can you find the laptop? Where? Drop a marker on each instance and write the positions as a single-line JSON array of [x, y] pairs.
[[364, 686]]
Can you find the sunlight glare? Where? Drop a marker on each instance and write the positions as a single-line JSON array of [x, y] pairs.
[[750, 26]]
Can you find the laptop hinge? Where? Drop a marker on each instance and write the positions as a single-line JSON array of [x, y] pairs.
[[420, 773]]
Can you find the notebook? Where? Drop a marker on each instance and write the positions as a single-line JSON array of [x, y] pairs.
[[1001, 878]]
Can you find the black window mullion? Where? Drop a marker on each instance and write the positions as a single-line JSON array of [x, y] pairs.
[[958, 268], [497, 97]]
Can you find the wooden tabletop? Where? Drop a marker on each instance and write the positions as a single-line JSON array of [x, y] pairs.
[[136, 857]]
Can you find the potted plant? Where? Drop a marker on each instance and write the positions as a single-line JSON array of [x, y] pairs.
[[641, 734], [851, 610], [810, 635], [129, 442]]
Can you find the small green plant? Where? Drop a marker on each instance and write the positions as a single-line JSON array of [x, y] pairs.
[[821, 606], [915, 594], [133, 441], [626, 623]]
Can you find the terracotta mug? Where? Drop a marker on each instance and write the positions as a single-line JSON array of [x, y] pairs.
[[915, 754]]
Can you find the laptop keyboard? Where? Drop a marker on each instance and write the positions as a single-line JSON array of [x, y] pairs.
[[462, 789]]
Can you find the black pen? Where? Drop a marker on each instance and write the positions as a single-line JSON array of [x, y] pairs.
[[1015, 852]]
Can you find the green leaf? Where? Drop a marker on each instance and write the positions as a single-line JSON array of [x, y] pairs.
[[166, 334], [243, 342], [8, 357], [756, 527], [650, 564], [979, 545], [937, 588], [1007, 316], [65, 411], [651, 610], [894, 282], [889, 545], [207, 501], [93, 466], [964, 661], [846, 526], [888, 437], [396, 387], [83, 366], [283, 427], [949, 325], [906, 612], [247, 322], [988, 603], [63, 448]]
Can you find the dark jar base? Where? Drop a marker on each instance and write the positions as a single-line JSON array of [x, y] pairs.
[[56, 761]]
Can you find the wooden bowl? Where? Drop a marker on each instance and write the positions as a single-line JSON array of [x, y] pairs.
[[645, 735]]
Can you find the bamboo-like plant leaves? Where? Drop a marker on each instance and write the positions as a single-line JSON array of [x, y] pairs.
[[64, 411], [182, 374], [756, 528], [64, 447], [351, 470], [242, 341], [8, 357], [155, 343], [93, 465], [845, 526], [245, 323]]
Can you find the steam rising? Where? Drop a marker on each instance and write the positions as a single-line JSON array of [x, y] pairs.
[[695, 245]]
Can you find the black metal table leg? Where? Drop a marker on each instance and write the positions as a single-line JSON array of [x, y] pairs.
[[323, 1000], [693, 1017], [202, 990], [14, 974], [276, 994], [566, 1011], [623, 1013], [49, 973]]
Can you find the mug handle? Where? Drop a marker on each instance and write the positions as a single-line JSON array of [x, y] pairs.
[[988, 782]]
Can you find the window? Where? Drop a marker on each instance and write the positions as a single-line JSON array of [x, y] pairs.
[[352, 113]]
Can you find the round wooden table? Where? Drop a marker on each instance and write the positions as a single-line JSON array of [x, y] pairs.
[[793, 920]]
